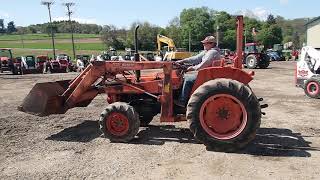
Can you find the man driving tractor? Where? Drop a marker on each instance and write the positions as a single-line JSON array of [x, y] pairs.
[[204, 59]]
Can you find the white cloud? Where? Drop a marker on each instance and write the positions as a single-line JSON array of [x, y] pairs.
[[4, 15], [257, 13], [284, 2], [80, 20]]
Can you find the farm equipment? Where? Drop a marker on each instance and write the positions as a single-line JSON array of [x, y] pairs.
[[32, 64], [308, 72], [62, 63], [129, 56], [171, 53], [227, 55], [223, 111], [253, 57], [8, 63], [82, 62]]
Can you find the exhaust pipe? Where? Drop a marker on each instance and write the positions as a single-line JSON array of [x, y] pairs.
[[136, 53]]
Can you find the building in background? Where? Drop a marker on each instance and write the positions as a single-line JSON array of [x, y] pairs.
[[313, 33]]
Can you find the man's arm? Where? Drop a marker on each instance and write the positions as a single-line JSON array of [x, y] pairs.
[[207, 59]]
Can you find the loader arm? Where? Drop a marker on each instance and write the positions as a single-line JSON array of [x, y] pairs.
[[57, 97]]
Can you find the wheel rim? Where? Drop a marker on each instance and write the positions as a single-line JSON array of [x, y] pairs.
[[223, 116], [117, 124], [313, 88], [251, 62]]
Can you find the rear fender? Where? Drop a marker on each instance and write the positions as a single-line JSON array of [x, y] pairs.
[[212, 73]]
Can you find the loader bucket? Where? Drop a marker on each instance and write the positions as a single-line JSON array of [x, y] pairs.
[[44, 99]]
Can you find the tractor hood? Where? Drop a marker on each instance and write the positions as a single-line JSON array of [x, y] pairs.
[[4, 58]]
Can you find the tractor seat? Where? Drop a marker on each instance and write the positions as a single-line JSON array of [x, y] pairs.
[[218, 63]]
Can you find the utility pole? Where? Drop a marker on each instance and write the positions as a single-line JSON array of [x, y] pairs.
[[217, 25], [245, 35], [22, 42], [189, 41], [48, 4], [68, 5], [217, 35]]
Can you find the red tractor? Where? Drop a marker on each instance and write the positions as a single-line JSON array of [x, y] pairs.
[[254, 58], [223, 111], [62, 63], [8, 63]]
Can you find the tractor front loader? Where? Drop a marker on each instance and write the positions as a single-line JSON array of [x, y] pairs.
[[223, 112]]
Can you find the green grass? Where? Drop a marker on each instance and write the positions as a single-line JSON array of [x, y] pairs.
[[61, 46], [16, 37]]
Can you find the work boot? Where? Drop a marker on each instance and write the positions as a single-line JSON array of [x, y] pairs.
[[179, 103]]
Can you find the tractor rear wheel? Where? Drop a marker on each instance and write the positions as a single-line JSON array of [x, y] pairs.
[[312, 88], [119, 122], [264, 61], [251, 61], [224, 114]]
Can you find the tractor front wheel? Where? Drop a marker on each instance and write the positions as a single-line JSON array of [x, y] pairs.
[[119, 122], [224, 114], [312, 88]]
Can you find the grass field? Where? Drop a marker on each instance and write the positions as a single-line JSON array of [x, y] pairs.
[[36, 44], [17, 37]]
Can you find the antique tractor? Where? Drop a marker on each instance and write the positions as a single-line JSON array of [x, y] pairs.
[[223, 111]]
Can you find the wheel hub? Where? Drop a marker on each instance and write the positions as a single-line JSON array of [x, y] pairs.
[[117, 124], [223, 116], [313, 88], [223, 113]]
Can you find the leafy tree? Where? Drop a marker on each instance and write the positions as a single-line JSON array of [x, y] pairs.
[[296, 40], [48, 29], [229, 40], [197, 22], [147, 35], [271, 20], [251, 23], [110, 35], [2, 28], [287, 39], [270, 36], [173, 30], [11, 27]]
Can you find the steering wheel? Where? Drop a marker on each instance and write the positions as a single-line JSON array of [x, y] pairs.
[[182, 68]]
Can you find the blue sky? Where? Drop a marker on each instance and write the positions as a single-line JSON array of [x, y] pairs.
[[123, 12]]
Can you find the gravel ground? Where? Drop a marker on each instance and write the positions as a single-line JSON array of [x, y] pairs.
[[70, 146]]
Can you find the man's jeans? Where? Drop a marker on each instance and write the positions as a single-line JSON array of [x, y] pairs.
[[188, 83]]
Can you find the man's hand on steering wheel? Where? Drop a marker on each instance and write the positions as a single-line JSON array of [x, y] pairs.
[[182, 66]]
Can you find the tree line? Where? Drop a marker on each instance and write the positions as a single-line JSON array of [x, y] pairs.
[[195, 23], [192, 25], [11, 28], [62, 27]]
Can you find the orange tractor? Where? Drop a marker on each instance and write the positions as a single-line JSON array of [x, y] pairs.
[[223, 112]]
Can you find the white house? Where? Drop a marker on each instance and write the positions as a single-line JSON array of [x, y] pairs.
[[313, 33]]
